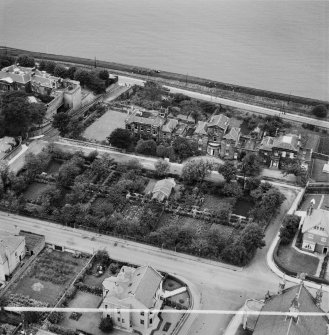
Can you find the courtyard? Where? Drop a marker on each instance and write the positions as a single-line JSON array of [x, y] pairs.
[[103, 127]]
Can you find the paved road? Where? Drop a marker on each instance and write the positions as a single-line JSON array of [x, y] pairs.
[[221, 288], [232, 103]]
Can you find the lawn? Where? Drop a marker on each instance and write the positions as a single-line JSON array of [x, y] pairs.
[[48, 277], [104, 126], [296, 261], [53, 166], [317, 174], [88, 322], [213, 202], [242, 207], [324, 145], [35, 190]]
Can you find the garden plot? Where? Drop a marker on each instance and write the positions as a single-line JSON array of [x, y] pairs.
[[35, 190], [242, 207], [306, 202], [49, 276], [215, 203], [132, 211], [317, 174], [54, 166], [103, 127]]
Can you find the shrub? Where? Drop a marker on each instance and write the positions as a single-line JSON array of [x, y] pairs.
[[114, 267], [106, 325], [61, 330], [320, 111], [289, 228]]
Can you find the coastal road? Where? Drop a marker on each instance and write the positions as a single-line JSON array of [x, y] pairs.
[[123, 80]]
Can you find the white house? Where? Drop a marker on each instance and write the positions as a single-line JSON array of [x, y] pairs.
[[131, 289], [12, 251]]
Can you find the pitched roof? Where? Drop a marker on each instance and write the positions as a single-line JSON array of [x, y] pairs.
[[17, 76], [279, 325], [221, 121], [318, 217], [233, 134], [133, 288], [10, 242], [170, 125], [163, 188], [267, 143], [201, 128], [286, 142]]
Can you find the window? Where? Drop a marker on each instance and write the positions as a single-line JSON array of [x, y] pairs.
[[215, 139], [142, 128], [105, 306], [119, 319], [142, 322], [128, 127], [123, 320], [291, 155], [283, 154], [151, 320], [142, 313]]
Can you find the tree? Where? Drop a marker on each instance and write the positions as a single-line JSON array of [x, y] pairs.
[[320, 111], [228, 171], [232, 189], [184, 148], [147, 147], [42, 65], [120, 138], [104, 74], [60, 71], [252, 183], [289, 228], [294, 166], [196, 170], [50, 66], [252, 237], [208, 107], [61, 122], [6, 61], [37, 112], [162, 151], [272, 125], [82, 76], [71, 71], [162, 167], [250, 165], [25, 60]]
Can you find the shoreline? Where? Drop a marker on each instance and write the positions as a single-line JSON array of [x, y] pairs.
[[236, 92]]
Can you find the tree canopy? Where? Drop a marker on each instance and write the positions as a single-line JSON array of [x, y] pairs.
[[196, 170], [25, 60], [120, 138], [162, 167], [228, 171], [147, 147], [320, 111], [17, 114]]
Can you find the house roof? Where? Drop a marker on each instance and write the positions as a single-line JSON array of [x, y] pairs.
[[201, 128], [163, 188], [170, 126], [279, 324], [221, 121], [18, 76], [44, 79], [133, 288], [318, 217], [233, 134], [287, 142], [10, 242], [186, 118], [32, 240], [267, 143]]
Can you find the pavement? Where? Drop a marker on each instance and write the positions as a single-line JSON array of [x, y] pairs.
[[232, 103]]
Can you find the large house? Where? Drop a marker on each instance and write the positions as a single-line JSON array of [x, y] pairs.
[[315, 230], [139, 289], [12, 251], [64, 91], [274, 150], [292, 300]]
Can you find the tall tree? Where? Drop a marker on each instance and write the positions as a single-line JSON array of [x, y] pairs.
[[196, 170], [147, 147], [120, 138], [60, 71], [61, 122], [25, 60], [228, 171], [162, 167]]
